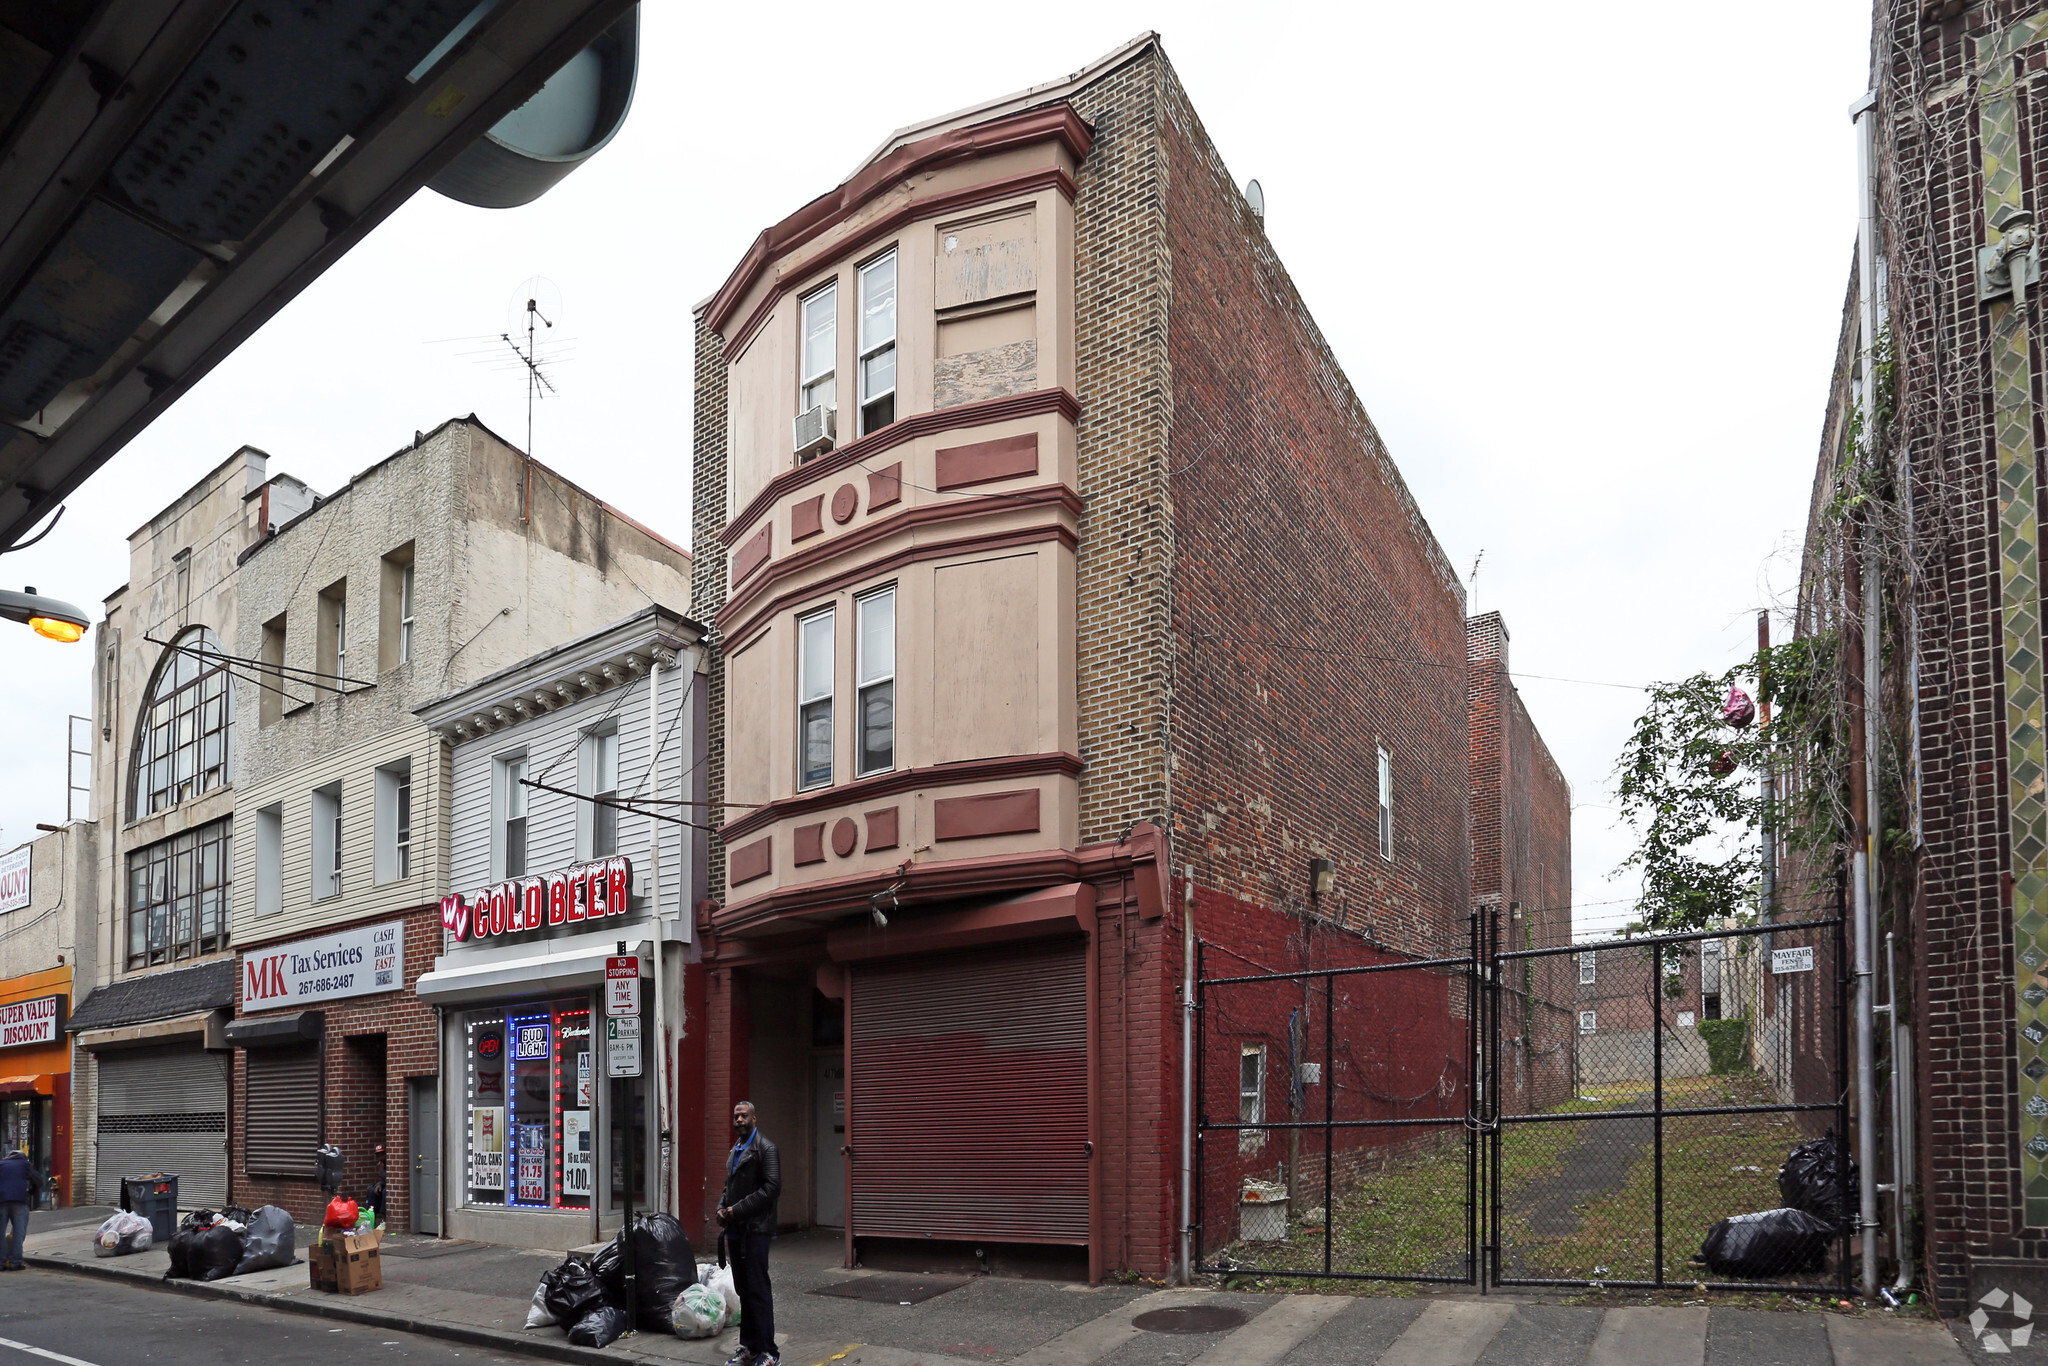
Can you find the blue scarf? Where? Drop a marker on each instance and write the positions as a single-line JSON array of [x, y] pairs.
[[739, 1150]]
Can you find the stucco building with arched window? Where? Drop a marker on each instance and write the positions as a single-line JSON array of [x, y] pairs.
[[154, 989]]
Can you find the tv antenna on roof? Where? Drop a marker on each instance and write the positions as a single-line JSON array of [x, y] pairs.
[[538, 302]]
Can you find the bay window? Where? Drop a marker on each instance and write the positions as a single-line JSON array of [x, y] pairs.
[[875, 678], [878, 344], [814, 699]]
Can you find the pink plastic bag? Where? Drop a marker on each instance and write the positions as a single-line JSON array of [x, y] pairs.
[[1738, 711]]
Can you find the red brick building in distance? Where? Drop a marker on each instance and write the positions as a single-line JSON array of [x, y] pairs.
[[1061, 587]]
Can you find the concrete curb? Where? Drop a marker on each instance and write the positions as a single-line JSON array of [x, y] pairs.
[[341, 1309]]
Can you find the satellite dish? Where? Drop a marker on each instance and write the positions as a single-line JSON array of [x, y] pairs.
[[546, 296], [1256, 198]]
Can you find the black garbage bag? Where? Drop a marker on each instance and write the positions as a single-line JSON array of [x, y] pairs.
[[1812, 1180], [216, 1252], [663, 1265], [196, 1220], [180, 1248], [1768, 1244], [235, 1212], [570, 1291], [599, 1327], [268, 1241]]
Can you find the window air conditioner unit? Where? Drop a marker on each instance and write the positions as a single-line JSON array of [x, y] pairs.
[[816, 430]]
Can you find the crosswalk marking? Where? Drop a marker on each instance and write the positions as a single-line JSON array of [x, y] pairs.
[[1669, 1337], [1451, 1333], [1275, 1332]]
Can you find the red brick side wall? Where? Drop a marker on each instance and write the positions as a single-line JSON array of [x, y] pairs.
[[395, 1029], [1315, 618]]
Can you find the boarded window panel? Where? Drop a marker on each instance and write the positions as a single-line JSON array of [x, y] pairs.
[[985, 633], [992, 259], [968, 1109], [282, 1127]]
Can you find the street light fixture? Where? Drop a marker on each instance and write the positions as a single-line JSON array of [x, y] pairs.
[[47, 617]]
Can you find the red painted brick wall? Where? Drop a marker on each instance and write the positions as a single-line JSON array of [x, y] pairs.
[[1315, 618], [391, 1033]]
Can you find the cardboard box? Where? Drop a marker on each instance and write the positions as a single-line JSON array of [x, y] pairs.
[[346, 1264]]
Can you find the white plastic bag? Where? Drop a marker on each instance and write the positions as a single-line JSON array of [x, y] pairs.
[[719, 1278], [122, 1234], [699, 1312], [538, 1316]]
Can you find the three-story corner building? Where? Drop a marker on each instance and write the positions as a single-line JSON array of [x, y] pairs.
[[1059, 584], [575, 838], [150, 1082], [442, 564]]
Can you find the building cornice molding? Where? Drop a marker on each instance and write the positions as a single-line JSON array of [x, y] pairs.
[[877, 444], [1053, 762], [1056, 122]]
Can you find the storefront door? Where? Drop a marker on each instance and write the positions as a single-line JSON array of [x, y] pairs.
[[828, 1127]]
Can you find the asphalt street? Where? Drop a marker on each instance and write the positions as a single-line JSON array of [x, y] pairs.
[[49, 1316]]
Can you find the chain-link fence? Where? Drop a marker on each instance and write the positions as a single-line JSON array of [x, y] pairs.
[[1614, 1113], [1698, 1064], [1334, 1135]]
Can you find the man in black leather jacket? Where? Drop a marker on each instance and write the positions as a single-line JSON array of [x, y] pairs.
[[746, 1211]]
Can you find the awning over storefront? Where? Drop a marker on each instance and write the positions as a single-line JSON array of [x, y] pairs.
[[277, 1031], [538, 968], [43, 1085], [156, 996]]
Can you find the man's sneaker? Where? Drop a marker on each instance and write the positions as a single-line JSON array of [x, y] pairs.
[[768, 1361], [743, 1357]]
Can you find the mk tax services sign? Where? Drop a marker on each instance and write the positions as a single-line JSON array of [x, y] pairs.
[[358, 962]]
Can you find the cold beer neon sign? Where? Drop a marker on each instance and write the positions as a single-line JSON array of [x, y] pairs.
[[589, 891]]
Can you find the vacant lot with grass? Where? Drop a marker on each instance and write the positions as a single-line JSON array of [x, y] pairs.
[[1578, 1196]]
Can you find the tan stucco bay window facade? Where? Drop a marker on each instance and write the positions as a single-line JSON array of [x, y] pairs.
[[959, 515]]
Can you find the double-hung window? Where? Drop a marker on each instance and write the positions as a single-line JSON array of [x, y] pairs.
[[327, 841], [1589, 1022], [878, 344], [1586, 969], [814, 699], [513, 838], [875, 667], [405, 613], [820, 350], [1386, 804], [604, 784], [1251, 1096]]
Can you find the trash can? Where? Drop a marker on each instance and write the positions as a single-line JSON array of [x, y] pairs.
[[1262, 1212], [155, 1198]]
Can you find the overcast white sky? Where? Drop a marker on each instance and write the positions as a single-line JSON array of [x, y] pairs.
[[1585, 266]]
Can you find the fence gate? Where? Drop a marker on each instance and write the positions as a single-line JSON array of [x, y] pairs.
[[1334, 1134], [1574, 1115]]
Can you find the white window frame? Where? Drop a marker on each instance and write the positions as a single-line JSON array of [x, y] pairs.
[[873, 347], [1587, 971], [1589, 1022], [1251, 1100], [508, 804], [394, 822], [827, 378], [871, 675], [590, 782], [1386, 803], [340, 602], [806, 701], [327, 842], [405, 617]]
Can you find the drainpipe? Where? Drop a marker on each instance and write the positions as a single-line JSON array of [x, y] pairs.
[[660, 1048], [1902, 1125], [1864, 112], [1187, 1078]]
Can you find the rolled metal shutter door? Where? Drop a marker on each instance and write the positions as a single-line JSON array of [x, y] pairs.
[[165, 1110], [281, 1112], [969, 1096]]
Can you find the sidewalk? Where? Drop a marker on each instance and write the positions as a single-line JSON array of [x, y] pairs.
[[478, 1294]]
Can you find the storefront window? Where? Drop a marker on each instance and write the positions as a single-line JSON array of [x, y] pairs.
[[530, 1093]]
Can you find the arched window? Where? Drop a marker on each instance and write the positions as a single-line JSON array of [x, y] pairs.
[[181, 743]]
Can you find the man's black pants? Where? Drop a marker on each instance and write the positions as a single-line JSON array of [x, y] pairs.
[[749, 1253]]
